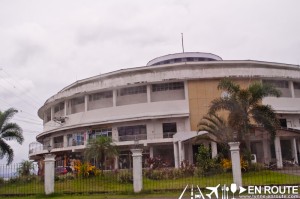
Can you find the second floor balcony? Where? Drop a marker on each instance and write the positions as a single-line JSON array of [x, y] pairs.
[[132, 137]]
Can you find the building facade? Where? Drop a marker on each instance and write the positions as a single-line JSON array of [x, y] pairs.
[[158, 107]]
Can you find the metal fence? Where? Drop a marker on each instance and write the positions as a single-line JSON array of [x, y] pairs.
[[158, 180]]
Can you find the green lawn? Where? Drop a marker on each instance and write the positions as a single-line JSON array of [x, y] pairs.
[[108, 185]]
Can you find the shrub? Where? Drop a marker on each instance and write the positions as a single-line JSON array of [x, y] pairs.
[[155, 163], [125, 177], [187, 168], [68, 176], [256, 167], [227, 165], [85, 169], [2, 181]]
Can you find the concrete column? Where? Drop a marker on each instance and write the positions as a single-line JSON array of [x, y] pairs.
[[65, 137], [116, 162], [148, 93], [294, 146], [52, 112], [236, 162], [291, 86], [186, 91], [66, 108], [137, 170], [151, 152], [51, 142], [278, 152], [86, 101], [180, 158], [190, 153], [49, 173], [114, 97], [214, 149], [176, 159], [266, 150]]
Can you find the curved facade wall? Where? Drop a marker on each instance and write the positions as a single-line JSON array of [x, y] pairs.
[[159, 105]]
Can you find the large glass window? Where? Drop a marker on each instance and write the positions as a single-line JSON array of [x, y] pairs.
[[132, 90], [167, 86], [101, 95], [278, 83], [100, 132], [59, 107], [169, 129], [78, 100], [127, 133], [75, 139]]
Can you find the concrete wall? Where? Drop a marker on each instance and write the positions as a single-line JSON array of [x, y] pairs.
[[122, 113], [132, 99], [167, 95], [102, 103]]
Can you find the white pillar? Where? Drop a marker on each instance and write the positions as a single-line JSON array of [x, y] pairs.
[[65, 138], [51, 142], [137, 170], [86, 100], [49, 173], [214, 149], [52, 112], [278, 152], [291, 86], [151, 152], [190, 153], [176, 160], [66, 108], [114, 97], [236, 163], [116, 162], [294, 145], [180, 155], [148, 93]]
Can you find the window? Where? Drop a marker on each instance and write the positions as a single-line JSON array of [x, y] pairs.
[[127, 133], [169, 129], [59, 107], [76, 101], [277, 83], [101, 95], [297, 85], [101, 132], [132, 90], [167, 86], [75, 139]]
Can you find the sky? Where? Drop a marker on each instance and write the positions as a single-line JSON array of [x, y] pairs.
[[47, 45]]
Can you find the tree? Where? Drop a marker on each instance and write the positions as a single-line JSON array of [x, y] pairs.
[[100, 148], [26, 168], [216, 126], [244, 107], [9, 131]]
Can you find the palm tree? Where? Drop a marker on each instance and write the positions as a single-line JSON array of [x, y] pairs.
[[26, 168], [244, 107], [216, 126], [100, 148], [9, 131]]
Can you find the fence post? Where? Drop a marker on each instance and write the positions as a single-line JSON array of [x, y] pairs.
[[137, 170], [49, 173], [236, 162]]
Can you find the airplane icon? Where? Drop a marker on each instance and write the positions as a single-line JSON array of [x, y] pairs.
[[213, 190]]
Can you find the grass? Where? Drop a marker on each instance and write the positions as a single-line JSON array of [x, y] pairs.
[[109, 185]]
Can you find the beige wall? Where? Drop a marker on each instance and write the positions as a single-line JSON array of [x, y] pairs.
[[201, 93]]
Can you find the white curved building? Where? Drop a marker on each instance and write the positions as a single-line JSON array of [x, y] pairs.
[[160, 105]]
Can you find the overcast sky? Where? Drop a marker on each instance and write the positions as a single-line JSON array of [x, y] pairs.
[[47, 45]]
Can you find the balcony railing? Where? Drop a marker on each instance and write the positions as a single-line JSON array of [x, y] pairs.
[[76, 143], [132, 137]]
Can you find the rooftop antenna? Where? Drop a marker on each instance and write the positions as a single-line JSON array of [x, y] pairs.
[[182, 42]]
